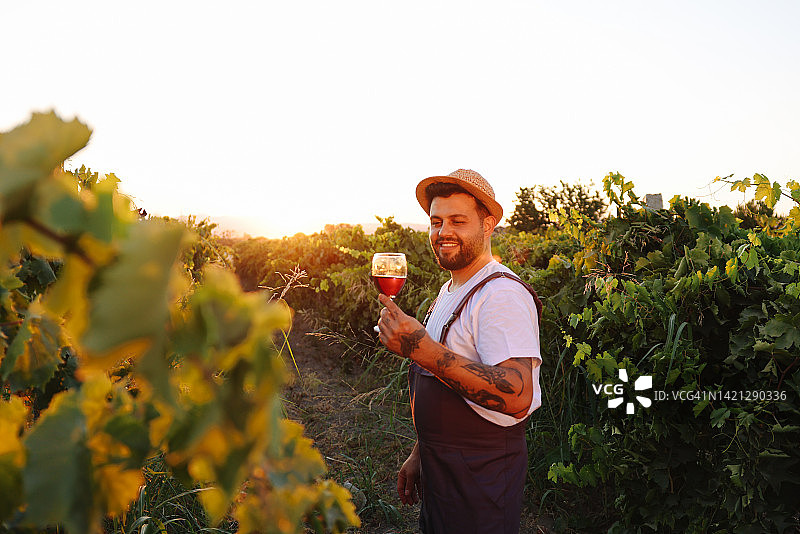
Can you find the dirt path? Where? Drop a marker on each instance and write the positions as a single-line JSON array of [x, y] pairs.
[[363, 442]]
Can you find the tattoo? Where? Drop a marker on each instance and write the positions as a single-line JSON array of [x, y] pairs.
[[480, 397], [487, 400], [495, 376], [410, 342], [447, 359], [506, 380]]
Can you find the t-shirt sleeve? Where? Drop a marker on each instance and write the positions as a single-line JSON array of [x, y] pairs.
[[506, 326]]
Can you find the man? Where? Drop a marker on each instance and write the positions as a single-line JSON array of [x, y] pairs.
[[470, 395]]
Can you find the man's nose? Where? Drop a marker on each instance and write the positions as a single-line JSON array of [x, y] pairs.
[[446, 229]]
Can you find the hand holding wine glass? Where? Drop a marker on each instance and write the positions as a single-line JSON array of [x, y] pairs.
[[389, 271]]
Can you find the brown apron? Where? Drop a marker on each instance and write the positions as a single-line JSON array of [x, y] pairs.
[[473, 471]]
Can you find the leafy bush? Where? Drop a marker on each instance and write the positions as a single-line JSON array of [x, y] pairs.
[[686, 296], [110, 355], [534, 204], [753, 214], [531, 251]]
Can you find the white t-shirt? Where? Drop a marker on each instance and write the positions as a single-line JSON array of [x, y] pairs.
[[499, 322]]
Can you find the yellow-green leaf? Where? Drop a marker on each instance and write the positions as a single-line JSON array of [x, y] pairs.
[[67, 296], [30, 152], [33, 355], [741, 185], [584, 350], [130, 298], [42, 143], [794, 216], [769, 193], [13, 417]]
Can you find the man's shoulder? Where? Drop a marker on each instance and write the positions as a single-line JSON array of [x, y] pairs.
[[491, 268], [495, 266], [501, 289]]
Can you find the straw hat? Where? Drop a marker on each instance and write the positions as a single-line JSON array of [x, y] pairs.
[[475, 184]]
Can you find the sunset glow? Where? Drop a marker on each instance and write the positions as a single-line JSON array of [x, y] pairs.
[[293, 116]]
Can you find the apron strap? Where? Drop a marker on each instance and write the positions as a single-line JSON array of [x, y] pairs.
[[501, 274]]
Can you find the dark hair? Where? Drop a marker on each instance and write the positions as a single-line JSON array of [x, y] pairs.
[[446, 189]]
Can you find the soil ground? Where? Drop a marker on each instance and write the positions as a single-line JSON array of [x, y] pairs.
[[363, 430]]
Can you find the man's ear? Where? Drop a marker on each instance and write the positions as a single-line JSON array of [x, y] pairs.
[[489, 222]]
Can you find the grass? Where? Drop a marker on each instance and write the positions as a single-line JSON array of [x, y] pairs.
[[165, 506]]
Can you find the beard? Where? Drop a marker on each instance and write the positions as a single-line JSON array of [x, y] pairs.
[[466, 252]]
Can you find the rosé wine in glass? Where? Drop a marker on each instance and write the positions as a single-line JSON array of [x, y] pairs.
[[389, 271]]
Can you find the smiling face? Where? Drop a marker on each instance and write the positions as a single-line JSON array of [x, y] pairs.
[[459, 236]]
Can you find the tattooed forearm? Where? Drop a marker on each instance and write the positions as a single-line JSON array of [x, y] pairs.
[[496, 376], [410, 342], [447, 359], [480, 397]]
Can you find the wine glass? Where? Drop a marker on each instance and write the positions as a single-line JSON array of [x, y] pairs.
[[389, 271]]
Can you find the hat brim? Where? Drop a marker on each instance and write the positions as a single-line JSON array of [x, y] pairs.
[[495, 209]]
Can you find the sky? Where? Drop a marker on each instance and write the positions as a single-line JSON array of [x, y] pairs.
[[281, 117]]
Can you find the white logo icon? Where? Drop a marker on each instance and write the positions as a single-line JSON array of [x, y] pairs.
[[642, 383]]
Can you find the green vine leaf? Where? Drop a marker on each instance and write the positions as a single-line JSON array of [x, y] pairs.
[[57, 444]]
